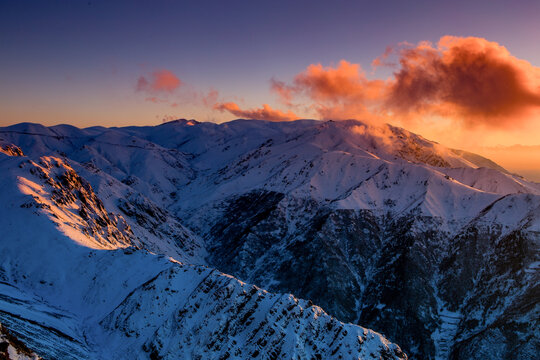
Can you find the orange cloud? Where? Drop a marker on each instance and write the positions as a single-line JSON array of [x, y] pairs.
[[165, 88], [284, 91], [159, 81], [339, 92], [470, 78], [155, 100], [346, 82], [266, 113]]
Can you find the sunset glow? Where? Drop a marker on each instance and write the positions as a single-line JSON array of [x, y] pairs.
[[472, 83], [302, 179]]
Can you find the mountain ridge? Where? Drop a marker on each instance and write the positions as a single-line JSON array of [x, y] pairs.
[[378, 220], [63, 288]]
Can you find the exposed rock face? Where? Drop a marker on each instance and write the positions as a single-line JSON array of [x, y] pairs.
[[10, 149], [436, 292], [499, 266], [175, 239], [216, 316], [181, 311], [12, 348], [65, 195]]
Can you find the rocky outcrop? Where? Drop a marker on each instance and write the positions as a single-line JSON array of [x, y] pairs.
[[69, 199], [204, 314], [11, 348], [10, 149]]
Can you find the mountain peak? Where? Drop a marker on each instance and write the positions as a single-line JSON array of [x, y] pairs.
[[184, 122]]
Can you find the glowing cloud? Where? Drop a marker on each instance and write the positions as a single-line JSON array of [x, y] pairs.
[[337, 92], [477, 80], [284, 91], [159, 81], [265, 113], [469, 80], [165, 88]]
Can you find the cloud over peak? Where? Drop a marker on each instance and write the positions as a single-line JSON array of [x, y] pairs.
[[264, 113], [336, 92], [470, 80]]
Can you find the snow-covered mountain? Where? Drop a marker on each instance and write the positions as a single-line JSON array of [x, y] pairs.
[[433, 247], [77, 282]]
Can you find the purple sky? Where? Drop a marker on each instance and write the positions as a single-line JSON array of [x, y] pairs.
[[117, 63], [78, 61]]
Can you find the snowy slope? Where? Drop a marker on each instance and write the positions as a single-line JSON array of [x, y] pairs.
[[324, 161], [75, 286], [188, 163]]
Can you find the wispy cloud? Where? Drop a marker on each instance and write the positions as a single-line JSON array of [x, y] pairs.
[[264, 113]]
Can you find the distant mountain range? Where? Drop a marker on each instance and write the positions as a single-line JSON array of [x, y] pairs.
[[116, 243]]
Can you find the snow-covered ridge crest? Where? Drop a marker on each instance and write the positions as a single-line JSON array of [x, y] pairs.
[[202, 162]]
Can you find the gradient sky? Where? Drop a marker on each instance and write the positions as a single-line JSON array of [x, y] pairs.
[[81, 62]]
